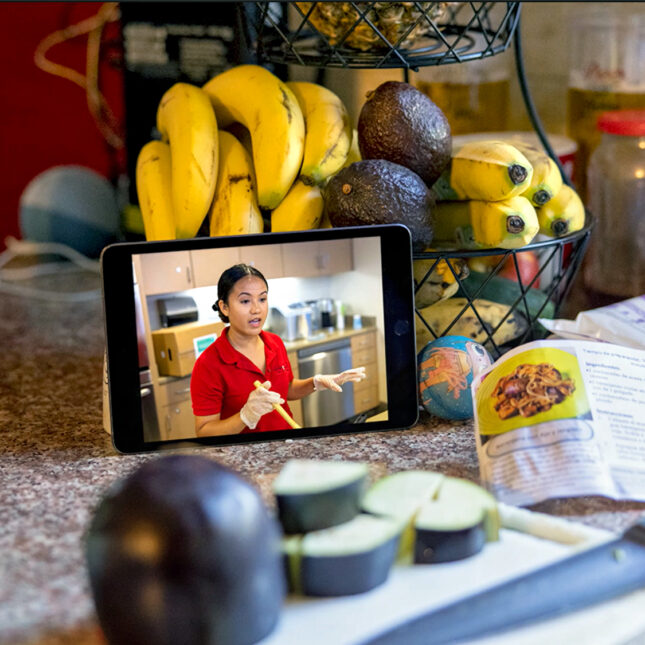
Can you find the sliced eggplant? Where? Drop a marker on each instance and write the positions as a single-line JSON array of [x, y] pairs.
[[312, 495], [461, 491], [446, 530], [399, 496], [347, 559]]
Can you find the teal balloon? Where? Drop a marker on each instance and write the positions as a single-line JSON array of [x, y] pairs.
[[70, 205], [445, 374]]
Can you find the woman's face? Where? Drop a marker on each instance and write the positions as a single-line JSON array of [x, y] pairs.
[[247, 305]]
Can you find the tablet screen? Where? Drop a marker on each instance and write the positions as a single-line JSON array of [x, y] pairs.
[[272, 336]]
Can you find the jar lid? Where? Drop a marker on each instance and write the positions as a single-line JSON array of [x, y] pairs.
[[630, 123]]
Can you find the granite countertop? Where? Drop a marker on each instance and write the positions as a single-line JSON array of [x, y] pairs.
[[56, 460]]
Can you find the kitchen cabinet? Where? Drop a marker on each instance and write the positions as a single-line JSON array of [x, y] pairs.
[[364, 355], [312, 259], [209, 264], [295, 406], [165, 273], [177, 421], [266, 258]]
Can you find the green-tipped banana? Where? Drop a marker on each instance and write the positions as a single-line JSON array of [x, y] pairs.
[[485, 170], [546, 181], [563, 214], [474, 224]]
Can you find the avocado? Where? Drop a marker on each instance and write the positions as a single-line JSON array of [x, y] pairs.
[[377, 191], [400, 123]]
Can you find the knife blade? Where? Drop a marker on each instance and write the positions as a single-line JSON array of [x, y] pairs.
[[585, 578]]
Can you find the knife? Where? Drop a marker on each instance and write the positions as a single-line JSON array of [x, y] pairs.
[[591, 576]]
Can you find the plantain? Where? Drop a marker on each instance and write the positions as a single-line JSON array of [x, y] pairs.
[[484, 170], [328, 131], [301, 209], [563, 214], [260, 101], [496, 321], [473, 224], [546, 180], [234, 210], [441, 283], [187, 122], [153, 177]]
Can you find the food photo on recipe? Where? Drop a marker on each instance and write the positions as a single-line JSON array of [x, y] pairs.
[[323, 323]]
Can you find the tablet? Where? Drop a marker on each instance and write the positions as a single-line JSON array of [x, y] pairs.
[[335, 299]]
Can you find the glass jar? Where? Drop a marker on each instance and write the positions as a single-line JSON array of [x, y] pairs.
[[615, 263]]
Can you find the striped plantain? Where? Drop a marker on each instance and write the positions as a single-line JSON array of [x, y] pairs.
[[234, 210], [153, 178], [259, 100], [563, 214], [186, 121]]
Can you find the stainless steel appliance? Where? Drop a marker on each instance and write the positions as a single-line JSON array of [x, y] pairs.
[[326, 407], [292, 322], [177, 310]]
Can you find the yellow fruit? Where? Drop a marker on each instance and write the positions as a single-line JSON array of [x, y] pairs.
[[474, 224], [259, 100], [153, 176], [486, 171], [235, 207], [328, 131], [301, 209], [546, 180], [563, 214], [186, 121]]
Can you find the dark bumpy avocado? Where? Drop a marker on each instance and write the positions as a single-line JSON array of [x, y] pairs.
[[401, 124], [377, 191]]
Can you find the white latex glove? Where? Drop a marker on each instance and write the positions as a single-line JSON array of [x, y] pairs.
[[259, 403], [334, 381]]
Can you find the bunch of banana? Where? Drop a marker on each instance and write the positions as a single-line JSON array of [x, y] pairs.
[[546, 180], [300, 210], [234, 210], [474, 224], [484, 170], [260, 101], [563, 214], [176, 178], [153, 178], [328, 131]]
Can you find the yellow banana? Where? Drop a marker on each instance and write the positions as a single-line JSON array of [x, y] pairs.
[[259, 100], [153, 190], [354, 150], [186, 121], [300, 210], [235, 207], [563, 214], [328, 131], [485, 170], [474, 224], [546, 180]]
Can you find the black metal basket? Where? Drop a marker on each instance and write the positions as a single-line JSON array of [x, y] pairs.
[[463, 31], [519, 302]]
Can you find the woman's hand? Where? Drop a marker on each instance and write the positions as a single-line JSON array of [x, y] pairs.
[[334, 381], [259, 403]]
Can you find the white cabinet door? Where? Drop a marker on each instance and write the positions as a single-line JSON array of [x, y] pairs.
[[209, 264]]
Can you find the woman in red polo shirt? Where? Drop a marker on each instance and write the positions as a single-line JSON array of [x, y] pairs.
[[224, 398]]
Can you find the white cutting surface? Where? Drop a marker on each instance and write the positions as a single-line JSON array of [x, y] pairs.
[[415, 589]]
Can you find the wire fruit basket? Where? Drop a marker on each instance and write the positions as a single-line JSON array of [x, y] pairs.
[[499, 312], [382, 34]]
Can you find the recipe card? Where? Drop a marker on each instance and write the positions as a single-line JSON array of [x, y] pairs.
[[562, 418]]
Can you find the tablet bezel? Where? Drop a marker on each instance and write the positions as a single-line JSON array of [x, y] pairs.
[[121, 338]]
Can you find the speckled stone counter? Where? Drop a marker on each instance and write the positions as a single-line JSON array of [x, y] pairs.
[[55, 461]]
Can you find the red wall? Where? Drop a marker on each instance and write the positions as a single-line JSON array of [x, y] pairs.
[[44, 119]]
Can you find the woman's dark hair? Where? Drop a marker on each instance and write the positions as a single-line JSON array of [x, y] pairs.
[[228, 279]]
